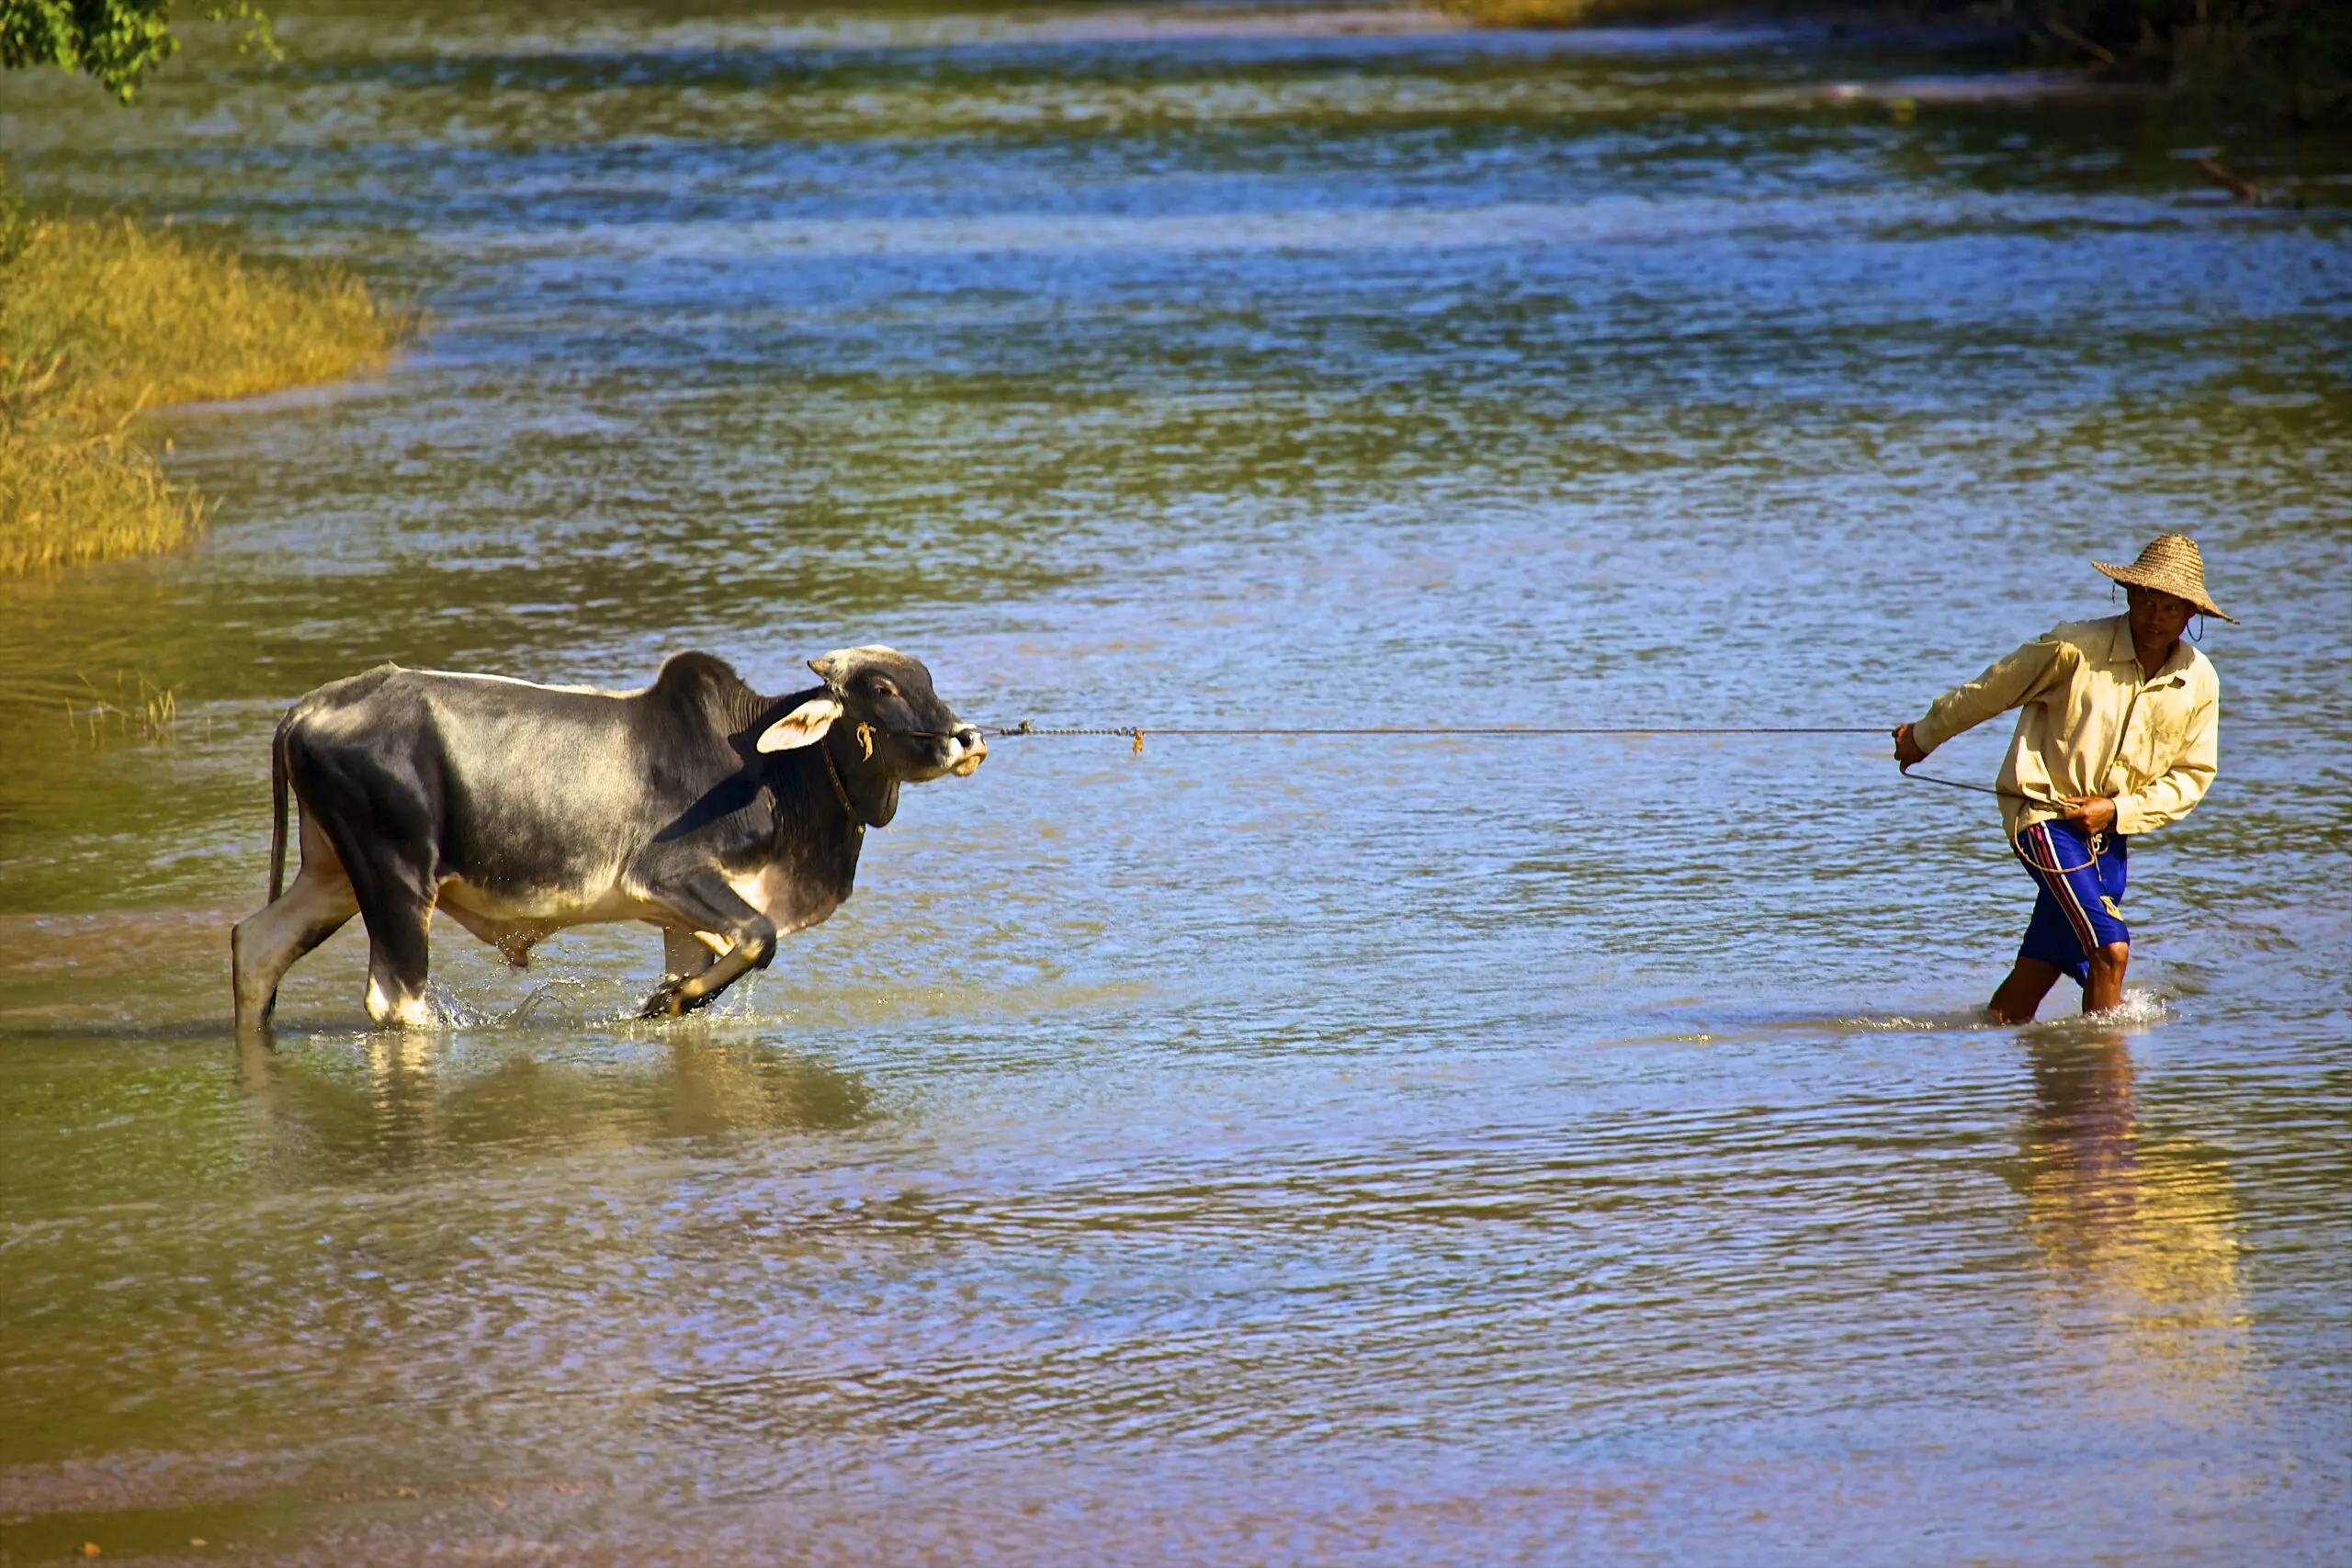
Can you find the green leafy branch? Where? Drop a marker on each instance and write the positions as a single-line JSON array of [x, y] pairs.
[[116, 42]]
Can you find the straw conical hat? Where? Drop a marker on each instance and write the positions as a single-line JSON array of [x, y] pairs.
[[2170, 564]]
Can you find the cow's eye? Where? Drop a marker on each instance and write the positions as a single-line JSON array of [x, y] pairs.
[[884, 689]]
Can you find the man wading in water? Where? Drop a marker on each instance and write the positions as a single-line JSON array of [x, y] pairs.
[[2118, 735]]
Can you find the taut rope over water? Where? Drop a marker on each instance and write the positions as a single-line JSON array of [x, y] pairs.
[[1137, 732]]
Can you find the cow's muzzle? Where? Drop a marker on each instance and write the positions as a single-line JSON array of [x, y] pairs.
[[967, 751]]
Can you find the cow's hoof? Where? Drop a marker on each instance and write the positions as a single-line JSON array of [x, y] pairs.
[[668, 1003]]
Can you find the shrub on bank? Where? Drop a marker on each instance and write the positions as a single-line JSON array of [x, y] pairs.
[[65, 500], [102, 318], [2291, 58]]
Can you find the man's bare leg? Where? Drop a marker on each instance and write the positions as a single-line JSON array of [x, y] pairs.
[[2020, 997], [2105, 989]]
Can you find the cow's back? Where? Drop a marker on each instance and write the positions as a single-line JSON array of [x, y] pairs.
[[509, 786]]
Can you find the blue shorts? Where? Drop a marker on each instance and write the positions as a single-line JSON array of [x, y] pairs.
[[2080, 909]]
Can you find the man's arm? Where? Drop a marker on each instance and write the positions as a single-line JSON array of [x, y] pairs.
[[2020, 678], [2169, 796]]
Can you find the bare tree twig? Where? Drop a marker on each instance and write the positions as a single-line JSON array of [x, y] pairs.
[[2241, 191]]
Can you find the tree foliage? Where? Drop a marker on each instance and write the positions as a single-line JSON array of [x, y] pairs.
[[116, 42], [2292, 58]]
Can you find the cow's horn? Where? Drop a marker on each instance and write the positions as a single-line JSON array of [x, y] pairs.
[[803, 724]]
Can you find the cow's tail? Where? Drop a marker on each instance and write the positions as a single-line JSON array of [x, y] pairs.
[[277, 807]]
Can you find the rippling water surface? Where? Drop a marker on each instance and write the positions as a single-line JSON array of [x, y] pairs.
[[1379, 1151]]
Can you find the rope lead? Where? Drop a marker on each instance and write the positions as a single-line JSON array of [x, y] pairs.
[[1135, 733]]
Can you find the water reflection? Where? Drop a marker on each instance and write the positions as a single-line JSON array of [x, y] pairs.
[[424, 1104], [2139, 1229]]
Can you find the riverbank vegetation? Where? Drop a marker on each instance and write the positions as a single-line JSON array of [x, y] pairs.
[[2288, 58], [101, 318], [116, 42]]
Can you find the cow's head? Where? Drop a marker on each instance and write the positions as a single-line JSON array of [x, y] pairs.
[[883, 725]]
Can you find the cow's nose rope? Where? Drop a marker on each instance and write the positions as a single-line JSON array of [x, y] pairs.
[[1136, 733], [1027, 726]]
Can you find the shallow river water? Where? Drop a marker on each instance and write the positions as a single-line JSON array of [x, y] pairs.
[[1374, 1151]]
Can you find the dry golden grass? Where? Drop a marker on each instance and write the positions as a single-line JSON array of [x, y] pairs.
[[65, 500], [100, 319]]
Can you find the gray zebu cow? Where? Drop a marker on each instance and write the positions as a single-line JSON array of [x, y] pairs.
[[723, 816]]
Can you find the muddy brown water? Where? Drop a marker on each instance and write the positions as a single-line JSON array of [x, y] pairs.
[[1430, 1151]]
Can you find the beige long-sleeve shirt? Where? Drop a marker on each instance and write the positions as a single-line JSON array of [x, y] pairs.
[[2093, 723]]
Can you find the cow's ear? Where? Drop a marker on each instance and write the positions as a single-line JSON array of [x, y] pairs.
[[803, 724]]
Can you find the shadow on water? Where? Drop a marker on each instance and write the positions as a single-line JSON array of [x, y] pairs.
[[409, 1107], [94, 1122], [2138, 1230]]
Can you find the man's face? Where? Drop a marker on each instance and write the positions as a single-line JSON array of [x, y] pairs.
[[2157, 616]]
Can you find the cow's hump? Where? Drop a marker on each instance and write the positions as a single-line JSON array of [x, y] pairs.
[[692, 676], [704, 686]]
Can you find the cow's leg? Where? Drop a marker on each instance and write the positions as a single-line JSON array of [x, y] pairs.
[[684, 954], [396, 900], [264, 946], [705, 902], [398, 954]]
